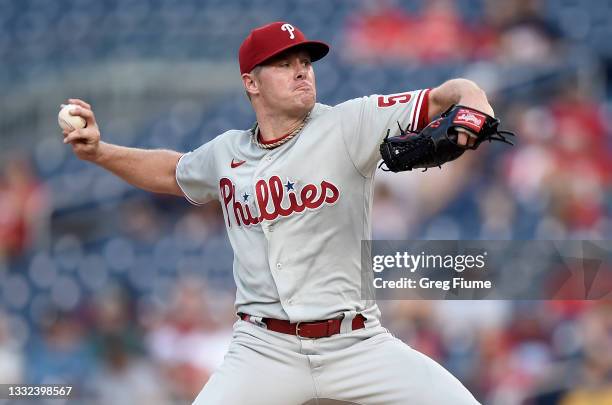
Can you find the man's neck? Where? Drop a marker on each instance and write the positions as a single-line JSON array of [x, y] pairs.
[[274, 126]]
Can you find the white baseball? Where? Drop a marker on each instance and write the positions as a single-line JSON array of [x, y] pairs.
[[70, 122]]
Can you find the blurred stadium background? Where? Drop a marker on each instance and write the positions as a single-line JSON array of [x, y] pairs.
[[128, 295]]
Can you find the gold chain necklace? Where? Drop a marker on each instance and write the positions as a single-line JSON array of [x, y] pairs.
[[287, 138]]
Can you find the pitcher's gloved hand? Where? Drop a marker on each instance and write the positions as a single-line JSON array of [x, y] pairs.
[[444, 139]]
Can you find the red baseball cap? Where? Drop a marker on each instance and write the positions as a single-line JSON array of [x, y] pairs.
[[270, 40]]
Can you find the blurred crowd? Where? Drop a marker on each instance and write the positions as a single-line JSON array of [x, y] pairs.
[[440, 32], [515, 353], [129, 296], [24, 209], [116, 350]]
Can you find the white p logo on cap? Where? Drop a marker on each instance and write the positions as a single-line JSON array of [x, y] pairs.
[[289, 28]]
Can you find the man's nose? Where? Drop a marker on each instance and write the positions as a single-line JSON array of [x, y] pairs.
[[301, 71]]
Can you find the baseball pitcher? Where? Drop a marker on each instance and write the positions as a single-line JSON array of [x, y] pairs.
[[296, 192]]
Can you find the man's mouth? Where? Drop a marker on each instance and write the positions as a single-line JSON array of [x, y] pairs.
[[303, 87]]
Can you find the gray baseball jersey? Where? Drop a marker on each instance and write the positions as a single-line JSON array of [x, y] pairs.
[[296, 214]]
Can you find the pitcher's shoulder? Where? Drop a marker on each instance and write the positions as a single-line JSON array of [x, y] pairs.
[[234, 137], [346, 111], [235, 134], [324, 111]]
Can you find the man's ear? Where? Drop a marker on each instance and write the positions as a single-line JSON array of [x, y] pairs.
[[251, 85]]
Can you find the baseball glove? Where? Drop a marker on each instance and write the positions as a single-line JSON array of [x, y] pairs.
[[438, 143]]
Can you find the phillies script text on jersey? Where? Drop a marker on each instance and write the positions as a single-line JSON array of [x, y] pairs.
[[283, 203]]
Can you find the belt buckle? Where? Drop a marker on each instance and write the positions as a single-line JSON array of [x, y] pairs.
[[297, 332]]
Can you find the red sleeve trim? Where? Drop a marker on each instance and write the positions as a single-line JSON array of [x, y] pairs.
[[423, 113]]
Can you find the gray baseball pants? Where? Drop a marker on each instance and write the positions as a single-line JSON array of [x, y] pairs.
[[367, 366]]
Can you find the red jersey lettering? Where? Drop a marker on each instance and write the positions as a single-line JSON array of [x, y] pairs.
[[273, 201]]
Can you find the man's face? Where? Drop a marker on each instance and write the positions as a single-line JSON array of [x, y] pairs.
[[287, 82]]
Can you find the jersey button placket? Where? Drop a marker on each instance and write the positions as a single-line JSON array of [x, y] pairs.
[[263, 166]]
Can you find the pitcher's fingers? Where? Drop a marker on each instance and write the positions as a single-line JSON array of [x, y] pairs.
[[80, 102], [472, 140], [83, 112], [76, 135], [465, 137], [462, 138], [87, 114]]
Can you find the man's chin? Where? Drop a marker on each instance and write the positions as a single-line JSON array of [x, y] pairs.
[[307, 101], [301, 105]]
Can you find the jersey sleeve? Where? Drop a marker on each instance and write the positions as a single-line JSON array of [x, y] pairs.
[[365, 122], [196, 174]]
